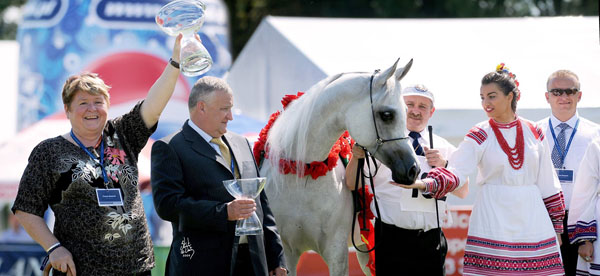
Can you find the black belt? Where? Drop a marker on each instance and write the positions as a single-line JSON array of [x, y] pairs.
[[411, 232]]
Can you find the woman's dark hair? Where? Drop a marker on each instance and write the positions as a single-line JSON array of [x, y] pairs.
[[507, 83]]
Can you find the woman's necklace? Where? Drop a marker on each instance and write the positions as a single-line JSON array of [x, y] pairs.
[[93, 149], [516, 154], [96, 147]]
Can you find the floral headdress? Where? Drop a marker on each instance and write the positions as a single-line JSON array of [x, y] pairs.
[[503, 68]]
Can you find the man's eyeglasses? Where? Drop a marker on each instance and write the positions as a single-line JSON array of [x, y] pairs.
[[559, 92]]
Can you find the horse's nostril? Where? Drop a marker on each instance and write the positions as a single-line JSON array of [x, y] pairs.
[[413, 172], [405, 172]]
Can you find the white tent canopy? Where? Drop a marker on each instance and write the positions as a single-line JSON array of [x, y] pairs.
[[289, 54]]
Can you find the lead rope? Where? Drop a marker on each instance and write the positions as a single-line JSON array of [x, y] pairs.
[[363, 199]]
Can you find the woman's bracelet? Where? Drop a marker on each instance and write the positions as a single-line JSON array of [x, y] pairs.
[[53, 247], [49, 251]]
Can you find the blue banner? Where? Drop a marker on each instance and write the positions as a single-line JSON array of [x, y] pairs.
[[21, 259], [119, 40]]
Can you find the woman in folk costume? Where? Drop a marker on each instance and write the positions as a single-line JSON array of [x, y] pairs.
[[517, 217], [585, 208]]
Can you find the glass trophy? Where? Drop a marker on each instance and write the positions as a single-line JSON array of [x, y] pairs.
[[248, 188], [186, 17]]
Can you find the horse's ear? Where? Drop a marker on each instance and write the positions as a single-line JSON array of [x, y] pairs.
[[381, 78], [401, 72]]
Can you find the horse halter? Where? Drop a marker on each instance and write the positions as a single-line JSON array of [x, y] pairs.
[[360, 174], [379, 142]]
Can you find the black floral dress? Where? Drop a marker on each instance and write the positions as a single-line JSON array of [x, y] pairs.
[[103, 240]]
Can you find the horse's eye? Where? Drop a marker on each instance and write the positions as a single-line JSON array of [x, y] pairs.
[[386, 116]]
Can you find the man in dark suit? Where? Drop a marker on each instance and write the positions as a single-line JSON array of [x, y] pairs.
[[188, 169]]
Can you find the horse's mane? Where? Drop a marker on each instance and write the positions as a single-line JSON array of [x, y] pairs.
[[288, 138]]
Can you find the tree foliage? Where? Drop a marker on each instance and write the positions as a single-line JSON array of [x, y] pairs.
[[245, 15], [8, 30]]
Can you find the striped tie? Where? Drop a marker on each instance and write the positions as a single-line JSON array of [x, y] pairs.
[[416, 146], [560, 141]]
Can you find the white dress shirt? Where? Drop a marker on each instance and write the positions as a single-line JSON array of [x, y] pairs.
[[205, 136], [587, 131], [396, 204]]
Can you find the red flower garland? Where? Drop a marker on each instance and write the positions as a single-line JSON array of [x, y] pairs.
[[315, 169], [515, 155]]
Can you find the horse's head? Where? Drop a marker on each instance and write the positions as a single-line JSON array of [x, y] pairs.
[[378, 122]]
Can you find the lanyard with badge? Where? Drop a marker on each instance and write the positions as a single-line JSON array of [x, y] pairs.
[[232, 164], [564, 175], [106, 196]]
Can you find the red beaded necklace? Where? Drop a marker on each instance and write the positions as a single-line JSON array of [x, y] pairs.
[[516, 154]]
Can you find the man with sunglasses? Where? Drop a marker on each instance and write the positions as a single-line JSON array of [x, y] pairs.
[[568, 135]]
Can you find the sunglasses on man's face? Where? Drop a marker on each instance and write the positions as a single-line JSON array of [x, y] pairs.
[[559, 92]]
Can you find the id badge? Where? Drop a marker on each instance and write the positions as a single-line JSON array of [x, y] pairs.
[[109, 197], [565, 176], [423, 165], [410, 203]]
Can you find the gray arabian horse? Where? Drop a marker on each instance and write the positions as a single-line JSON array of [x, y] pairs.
[[317, 214]]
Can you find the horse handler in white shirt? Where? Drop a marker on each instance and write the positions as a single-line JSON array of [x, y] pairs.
[[408, 235], [568, 136]]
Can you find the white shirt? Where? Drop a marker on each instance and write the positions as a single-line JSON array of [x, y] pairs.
[[205, 136], [509, 207], [587, 131], [585, 206], [396, 204]]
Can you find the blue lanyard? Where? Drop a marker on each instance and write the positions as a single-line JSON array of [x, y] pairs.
[[232, 163], [232, 167], [92, 156], [563, 155]]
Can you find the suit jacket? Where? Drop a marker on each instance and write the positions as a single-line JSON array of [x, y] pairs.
[[188, 191]]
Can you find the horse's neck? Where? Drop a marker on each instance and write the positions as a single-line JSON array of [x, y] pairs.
[[325, 125], [320, 142]]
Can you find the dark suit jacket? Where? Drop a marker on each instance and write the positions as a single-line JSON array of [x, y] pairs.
[[188, 191]]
